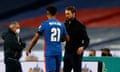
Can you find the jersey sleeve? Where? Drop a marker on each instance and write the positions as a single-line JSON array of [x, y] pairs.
[[41, 28], [64, 30]]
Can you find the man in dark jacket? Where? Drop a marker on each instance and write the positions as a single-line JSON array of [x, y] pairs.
[[13, 47], [78, 41]]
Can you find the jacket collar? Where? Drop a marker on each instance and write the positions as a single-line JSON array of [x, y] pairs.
[[10, 31]]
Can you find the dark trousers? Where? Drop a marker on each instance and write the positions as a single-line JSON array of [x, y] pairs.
[[12, 65], [72, 61]]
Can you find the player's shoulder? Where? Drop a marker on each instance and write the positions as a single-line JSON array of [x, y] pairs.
[[48, 21], [44, 23]]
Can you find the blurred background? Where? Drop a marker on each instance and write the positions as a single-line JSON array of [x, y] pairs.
[[101, 17]]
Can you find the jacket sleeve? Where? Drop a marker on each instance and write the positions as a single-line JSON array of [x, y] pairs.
[[12, 42], [86, 39], [84, 35], [22, 43]]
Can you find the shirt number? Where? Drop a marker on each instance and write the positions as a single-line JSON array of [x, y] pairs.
[[55, 34]]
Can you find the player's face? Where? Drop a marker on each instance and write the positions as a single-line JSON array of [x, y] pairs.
[[47, 14], [69, 14]]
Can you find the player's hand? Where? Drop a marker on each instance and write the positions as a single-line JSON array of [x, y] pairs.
[[28, 52], [80, 50]]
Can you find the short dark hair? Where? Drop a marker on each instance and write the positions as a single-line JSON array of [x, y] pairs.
[[52, 10], [72, 9], [105, 49]]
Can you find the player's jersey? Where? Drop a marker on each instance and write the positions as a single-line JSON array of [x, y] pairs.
[[53, 31]]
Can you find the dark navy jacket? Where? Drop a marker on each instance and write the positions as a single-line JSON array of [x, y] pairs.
[[78, 36], [12, 48]]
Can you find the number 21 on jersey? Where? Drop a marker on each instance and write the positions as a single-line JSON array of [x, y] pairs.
[[55, 34]]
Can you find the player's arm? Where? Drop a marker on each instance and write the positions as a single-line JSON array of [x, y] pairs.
[[33, 42], [66, 38]]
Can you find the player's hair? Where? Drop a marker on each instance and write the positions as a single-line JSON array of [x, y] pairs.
[[52, 10], [13, 24], [72, 9]]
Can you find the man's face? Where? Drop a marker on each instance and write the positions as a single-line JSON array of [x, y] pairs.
[[69, 14], [92, 53], [17, 26], [105, 52]]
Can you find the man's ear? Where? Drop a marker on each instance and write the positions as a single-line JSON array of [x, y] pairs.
[[74, 14]]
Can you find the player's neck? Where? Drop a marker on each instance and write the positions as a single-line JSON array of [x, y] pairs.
[[51, 17]]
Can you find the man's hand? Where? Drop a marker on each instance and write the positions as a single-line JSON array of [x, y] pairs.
[[80, 50], [28, 52]]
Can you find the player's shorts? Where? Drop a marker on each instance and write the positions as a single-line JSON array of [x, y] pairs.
[[53, 63]]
